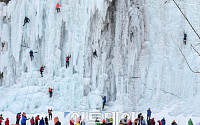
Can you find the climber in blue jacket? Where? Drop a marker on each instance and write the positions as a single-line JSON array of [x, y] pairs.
[[23, 121], [148, 114], [185, 38], [42, 121], [104, 101]]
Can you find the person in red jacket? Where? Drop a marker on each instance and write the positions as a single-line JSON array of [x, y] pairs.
[[58, 7], [50, 92], [7, 121], [71, 122], [159, 122], [37, 118], [152, 121], [0, 121], [32, 121], [50, 114], [67, 61], [41, 70]]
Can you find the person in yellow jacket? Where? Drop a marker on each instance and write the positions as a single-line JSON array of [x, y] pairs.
[[77, 123]]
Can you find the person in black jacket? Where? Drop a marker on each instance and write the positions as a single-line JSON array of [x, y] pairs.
[[46, 120], [58, 123], [18, 117], [26, 20], [185, 38]]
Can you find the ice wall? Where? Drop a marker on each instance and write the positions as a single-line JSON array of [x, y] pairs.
[[166, 79], [53, 36], [113, 28], [135, 68]]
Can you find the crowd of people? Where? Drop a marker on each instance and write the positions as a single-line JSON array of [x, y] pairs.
[[33, 121]]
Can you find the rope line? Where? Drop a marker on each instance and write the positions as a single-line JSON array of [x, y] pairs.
[[187, 19]]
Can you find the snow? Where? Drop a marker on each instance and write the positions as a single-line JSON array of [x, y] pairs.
[[116, 30]]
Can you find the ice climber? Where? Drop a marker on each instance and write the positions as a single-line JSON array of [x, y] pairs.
[[32, 121], [104, 101], [50, 93], [37, 118], [95, 53], [42, 121], [23, 121], [58, 7], [7, 121], [190, 122], [3, 45], [31, 55], [148, 114], [46, 120], [163, 121], [18, 117], [41, 70], [67, 61], [185, 38], [26, 20], [174, 123], [50, 114]]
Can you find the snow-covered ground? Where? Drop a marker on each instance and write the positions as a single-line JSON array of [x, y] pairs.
[[136, 67]]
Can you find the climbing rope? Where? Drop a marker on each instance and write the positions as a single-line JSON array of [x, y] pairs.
[[187, 19]]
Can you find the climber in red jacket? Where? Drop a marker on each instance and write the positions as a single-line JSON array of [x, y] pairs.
[[50, 92], [41, 70], [67, 61], [58, 7]]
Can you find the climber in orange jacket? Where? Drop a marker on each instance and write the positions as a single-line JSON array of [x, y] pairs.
[[58, 7], [50, 92]]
